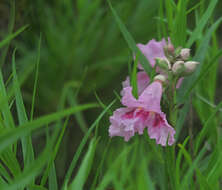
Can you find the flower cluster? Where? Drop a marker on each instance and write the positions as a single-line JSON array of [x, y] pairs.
[[145, 112]]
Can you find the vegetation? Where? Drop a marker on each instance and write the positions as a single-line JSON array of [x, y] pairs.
[[61, 68]]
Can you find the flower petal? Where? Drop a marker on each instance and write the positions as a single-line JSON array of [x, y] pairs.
[[162, 132], [120, 126], [179, 82], [142, 82], [151, 97], [152, 50], [128, 98]]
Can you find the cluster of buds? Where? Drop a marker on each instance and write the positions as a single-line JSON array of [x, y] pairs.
[[177, 61]]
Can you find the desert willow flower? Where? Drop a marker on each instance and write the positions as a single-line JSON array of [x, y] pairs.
[[172, 66], [144, 112]]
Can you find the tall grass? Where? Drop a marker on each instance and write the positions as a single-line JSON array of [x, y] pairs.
[[72, 50]]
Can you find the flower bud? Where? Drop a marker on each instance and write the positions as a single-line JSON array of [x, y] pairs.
[[169, 50], [160, 78], [190, 66], [178, 67], [177, 51], [163, 63], [185, 53]]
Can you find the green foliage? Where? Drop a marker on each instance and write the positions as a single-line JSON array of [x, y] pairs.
[[52, 139]]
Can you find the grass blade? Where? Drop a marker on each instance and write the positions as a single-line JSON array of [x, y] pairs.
[[4, 105], [28, 153], [202, 23], [36, 79], [130, 41], [134, 78], [11, 136], [206, 128], [11, 36], [79, 180], [82, 144], [200, 55]]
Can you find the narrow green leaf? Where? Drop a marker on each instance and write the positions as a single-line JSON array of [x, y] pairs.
[[110, 173], [27, 149], [204, 72], [189, 173], [10, 30], [206, 128], [81, 176], [82, 144], [178, 161], [202, 23], [53, 184], [36, 187], [181, 119], [200, 55], [72, 99], [11, 136], [194, 7], [131, 43], [36, 79], [215, 173], [98, 172], [2, 181], [55, 151], [4, 172], [11, 36], [206, 101], [134, 78], [169, 14], [179, 29], [33, 169], [161, 26], [10, 161], [4, 105]]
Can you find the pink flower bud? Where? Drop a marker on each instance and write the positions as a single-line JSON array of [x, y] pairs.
[[178, 67], [185, 53], [190, 66], [170, 48]]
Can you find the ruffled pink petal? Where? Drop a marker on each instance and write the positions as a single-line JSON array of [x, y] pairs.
[[128, 98], [142, 82], [151, 97], [152, 50], [142, 116], [122, 126], [126, 83], [161, 131]]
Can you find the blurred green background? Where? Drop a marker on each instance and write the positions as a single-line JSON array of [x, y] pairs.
[[84, 57], [82, 50]]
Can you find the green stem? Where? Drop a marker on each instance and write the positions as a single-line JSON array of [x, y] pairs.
[[170, 151], [173, 110]]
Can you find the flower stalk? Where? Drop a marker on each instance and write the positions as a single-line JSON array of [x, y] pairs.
[[142, 95]]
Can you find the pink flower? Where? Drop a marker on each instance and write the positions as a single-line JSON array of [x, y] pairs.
[[153, 49], [142, 82], [141, 113]]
